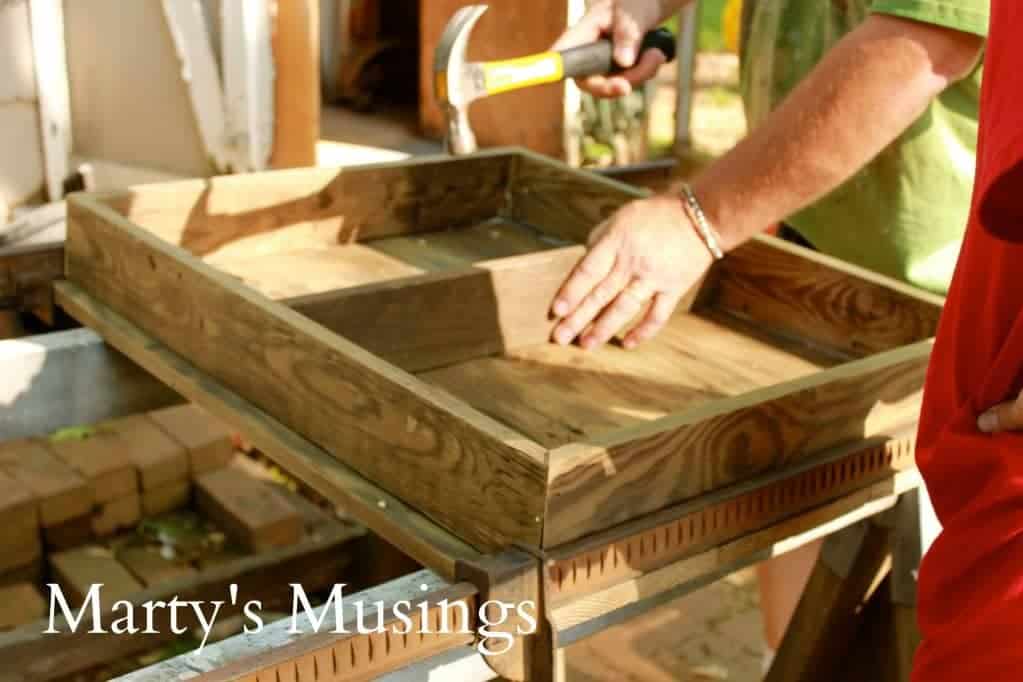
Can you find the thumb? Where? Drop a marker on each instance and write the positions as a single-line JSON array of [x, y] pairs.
[[1004, 417], [627, 35]]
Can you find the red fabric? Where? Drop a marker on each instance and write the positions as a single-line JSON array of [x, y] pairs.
[[971, 581]]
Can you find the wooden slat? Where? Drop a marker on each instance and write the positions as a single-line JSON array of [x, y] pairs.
[[649, 543], [382, 512], [26, 273], [471, 474], [336, 205], [820, 300], [441, 318], [623, 475]]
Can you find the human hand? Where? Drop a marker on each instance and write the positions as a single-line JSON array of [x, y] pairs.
[[625, 22], [1005, 417], [646, 254]]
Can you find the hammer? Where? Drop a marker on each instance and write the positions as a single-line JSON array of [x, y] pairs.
[[459, 83]]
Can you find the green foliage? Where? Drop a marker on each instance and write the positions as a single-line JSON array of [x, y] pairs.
[[712, 38]]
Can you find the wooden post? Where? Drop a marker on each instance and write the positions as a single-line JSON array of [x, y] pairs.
[[296, 52]]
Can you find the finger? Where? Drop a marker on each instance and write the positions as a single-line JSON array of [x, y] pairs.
[[605, 87], [657, 316], [627, 36], [598, 233], [594, 267], [625, 308], [1004, 417], [603, 294], [649, 64], [591, 27]]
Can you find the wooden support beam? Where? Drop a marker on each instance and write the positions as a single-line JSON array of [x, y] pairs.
[[296, 54], [381, 511], [26, 273], [441, 318], [851, 566], [68, 379]]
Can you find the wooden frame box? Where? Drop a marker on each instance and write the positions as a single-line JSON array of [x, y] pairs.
[[396, 316]]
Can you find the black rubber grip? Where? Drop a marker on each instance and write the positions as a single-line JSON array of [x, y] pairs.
[[597, 59]]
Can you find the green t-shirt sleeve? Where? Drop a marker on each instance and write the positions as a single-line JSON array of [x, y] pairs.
[[970, 16]]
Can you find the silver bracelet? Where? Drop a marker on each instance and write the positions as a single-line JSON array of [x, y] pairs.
[[699, 218]]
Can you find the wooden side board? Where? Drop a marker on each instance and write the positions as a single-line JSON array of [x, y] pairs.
[[609, 480], [803, 295], [437, 319], [466, 471], [328, 205]]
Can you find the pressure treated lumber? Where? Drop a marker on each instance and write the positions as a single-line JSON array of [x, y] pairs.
[[390, 427], [437, 319], [381, 511], [337, 206], [722, 442]]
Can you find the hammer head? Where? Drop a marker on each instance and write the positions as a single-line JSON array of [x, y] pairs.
[[457, 82]]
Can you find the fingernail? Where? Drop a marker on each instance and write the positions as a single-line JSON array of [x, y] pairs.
[[563, 337], [561, 308], [630, 344], [988, 422], [625, 56]]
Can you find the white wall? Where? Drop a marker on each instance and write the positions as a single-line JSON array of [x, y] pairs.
[[22, 174]]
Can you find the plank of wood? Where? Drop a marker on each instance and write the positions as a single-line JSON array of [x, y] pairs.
[[207, 440], [61, 491], [50, 59], [805, 295], [533, 118], [159, 460], [563, 202], [726, 441], [384, 513], [20, 604], [150, 567], [26, 273], [166, 498], [103, 461], [31, 656], [437, 319], [117, 515], [296, 42], [391, 427], [825, 619], [77, 570], [559, 395], [263, 654], [69, 378], [341, 205], [252, 511], [305, 271]]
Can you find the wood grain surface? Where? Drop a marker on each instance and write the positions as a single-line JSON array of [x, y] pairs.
[[608, 480], [420, 443]]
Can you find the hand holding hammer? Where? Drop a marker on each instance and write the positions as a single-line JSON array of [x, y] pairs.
[[459, 83]]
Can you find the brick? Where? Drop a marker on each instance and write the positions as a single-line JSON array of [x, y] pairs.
[[117, 515], [19, 512], [253, 512], [151, 568], [69, 534], [209, 442], [159, 459], [31, 572], [102, 460], [14, 557], [20, 604], [77, 570], [61, 492], [166, 498]]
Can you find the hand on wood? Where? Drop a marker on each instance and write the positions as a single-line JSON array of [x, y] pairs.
[[648, 255], [625, 22], [1005, 417]]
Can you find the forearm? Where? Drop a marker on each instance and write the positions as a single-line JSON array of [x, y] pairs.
[[866, 92]]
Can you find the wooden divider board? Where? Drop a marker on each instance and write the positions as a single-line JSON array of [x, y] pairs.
[[501, 438]]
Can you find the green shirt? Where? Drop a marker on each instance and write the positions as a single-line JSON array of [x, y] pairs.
[[903, 215]]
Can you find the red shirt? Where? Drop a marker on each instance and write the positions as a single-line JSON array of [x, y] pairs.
[[971, 580]]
